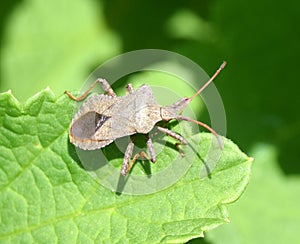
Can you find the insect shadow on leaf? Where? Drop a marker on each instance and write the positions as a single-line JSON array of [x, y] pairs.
[[104, 118]]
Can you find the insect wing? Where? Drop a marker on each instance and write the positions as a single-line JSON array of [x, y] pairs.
[[121, 121], [91, 116]]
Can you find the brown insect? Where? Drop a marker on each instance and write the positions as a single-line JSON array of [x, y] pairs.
[[105, 118]]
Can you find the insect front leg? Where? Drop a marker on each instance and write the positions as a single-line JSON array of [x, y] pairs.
[[172, 134], [104, 84], [175, 136]]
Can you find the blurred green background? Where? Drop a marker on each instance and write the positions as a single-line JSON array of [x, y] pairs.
[[58, 43]]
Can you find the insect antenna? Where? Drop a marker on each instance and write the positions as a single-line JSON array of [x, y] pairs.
[[209, 81], [180, 117]]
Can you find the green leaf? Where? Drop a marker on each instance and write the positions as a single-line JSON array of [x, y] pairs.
[[277, 216], [47, 196]]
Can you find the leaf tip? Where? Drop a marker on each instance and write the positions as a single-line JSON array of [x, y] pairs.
[[7, 93], [10, 98], [250, 159]]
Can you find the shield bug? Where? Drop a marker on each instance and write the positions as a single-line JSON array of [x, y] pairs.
[[104, 118]]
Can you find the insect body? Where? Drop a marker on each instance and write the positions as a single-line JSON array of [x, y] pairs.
[[104, 118]]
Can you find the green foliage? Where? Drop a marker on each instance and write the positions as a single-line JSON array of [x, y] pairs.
[[58, 43], [46, 196], [281, 209]]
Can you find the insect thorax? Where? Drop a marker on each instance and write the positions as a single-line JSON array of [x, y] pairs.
[[146, 118]]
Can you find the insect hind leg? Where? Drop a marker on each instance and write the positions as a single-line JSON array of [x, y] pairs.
[[106, 87], [104, 84]]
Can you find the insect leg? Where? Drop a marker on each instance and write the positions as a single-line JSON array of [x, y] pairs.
[[141, 155], [105, 85], [127, 157], [172, 134], [175, 136], [150, 148], [127, 164], [129, 88]]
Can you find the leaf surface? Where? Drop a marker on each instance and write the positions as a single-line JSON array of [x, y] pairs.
[[47, 196]]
